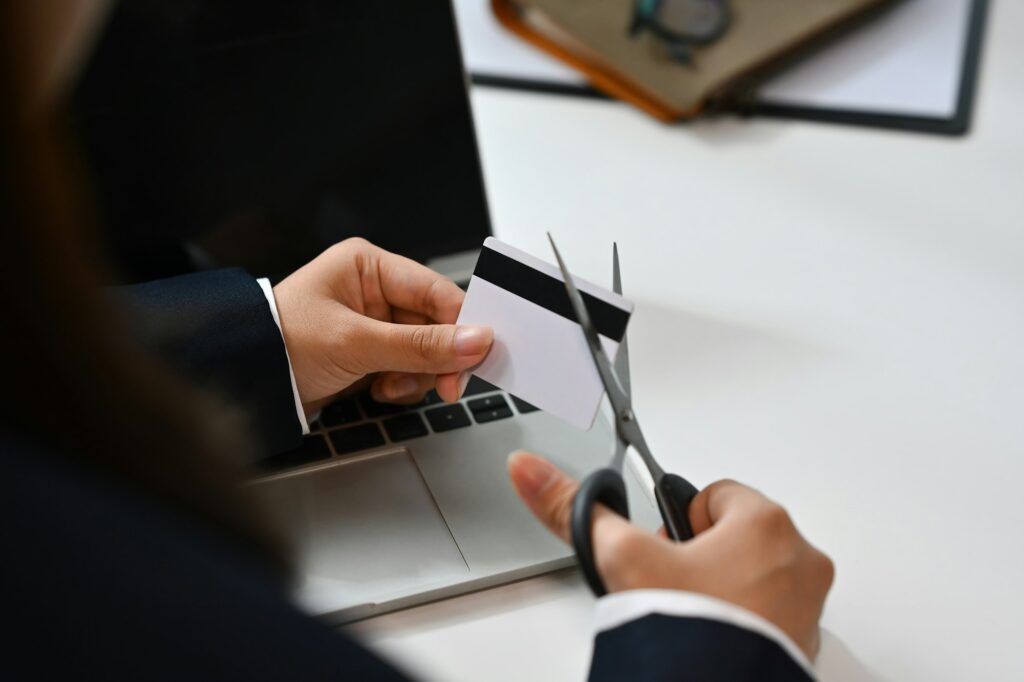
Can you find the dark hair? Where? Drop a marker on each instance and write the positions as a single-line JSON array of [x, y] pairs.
[[73, 382]]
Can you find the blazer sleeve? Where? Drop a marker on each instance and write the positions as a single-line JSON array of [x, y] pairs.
[[217, 329], [662, 648]]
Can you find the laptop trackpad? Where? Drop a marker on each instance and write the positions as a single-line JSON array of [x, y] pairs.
[[365, 530]]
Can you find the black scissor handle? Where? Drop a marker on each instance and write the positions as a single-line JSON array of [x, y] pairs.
[[674, 495], [607, 487]]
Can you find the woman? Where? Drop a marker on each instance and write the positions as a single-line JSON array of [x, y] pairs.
[[131, 551]]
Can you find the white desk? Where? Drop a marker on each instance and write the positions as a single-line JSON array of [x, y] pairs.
[[832, 314]]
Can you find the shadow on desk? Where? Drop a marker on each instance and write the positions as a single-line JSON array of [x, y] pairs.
[[712, 355], [729, 130], [836, 663]]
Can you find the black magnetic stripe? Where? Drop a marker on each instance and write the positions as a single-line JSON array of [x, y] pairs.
[[548, 292]]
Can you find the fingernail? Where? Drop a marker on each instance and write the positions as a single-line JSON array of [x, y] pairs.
[[402, 386], [464, 381], [530, 474], [473, 340]]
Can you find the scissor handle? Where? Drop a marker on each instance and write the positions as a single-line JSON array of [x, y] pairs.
[[607, 487], [674, 495]]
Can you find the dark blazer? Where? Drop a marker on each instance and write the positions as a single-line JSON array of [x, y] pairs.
[[216, 328], [113, 585]]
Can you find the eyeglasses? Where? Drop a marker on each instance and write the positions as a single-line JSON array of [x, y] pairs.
[[681, 24]]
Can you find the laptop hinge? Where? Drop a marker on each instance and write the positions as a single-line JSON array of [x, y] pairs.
[[457, 266]]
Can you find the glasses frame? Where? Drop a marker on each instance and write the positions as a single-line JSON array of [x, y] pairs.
[[680, 45]]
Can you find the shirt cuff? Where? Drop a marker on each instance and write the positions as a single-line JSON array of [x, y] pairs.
[[268, 291], [620, 608]]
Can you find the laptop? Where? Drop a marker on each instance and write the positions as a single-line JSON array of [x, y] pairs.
[[256, 135]]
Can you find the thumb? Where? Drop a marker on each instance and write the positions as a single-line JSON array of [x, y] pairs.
[[544, 489], [420, 348], [549, 494], [626, 555]]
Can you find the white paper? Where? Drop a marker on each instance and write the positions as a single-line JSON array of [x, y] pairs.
[[907, 62]]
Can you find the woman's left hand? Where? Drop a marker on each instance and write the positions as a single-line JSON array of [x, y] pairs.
[[357, 310]]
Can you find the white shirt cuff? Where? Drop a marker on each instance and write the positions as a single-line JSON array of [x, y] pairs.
[[620, 608], [268, 291]]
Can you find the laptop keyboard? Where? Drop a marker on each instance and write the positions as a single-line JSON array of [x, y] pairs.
[[447, 417], [351, 425]]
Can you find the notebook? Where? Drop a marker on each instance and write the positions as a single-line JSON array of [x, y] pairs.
[[593, 37], [933, 47]]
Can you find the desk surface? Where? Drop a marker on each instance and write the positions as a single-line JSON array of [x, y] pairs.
[[834, 315]]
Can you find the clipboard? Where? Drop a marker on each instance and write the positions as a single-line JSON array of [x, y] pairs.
[[754, 103]]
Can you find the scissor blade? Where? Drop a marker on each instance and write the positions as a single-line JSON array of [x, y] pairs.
[[619, 398], [622, 359], [616, 274]]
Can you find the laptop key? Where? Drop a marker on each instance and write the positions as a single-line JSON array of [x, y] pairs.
[[340, 412], [523, 406], [491, 402], [489, 408], [312, 449], [356, 438], [447, 418], [484, 416], [404, 427], [476, 386]]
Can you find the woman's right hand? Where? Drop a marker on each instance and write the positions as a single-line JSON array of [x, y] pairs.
[[746, 550]]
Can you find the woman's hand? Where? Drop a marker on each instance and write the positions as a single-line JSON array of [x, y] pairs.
[[357, 310], [746, 550]]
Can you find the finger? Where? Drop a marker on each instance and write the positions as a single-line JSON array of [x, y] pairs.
[[451, 386], [548, 492], [629, 557], [545, 490], [414, 287], [449, 389], [355, 388], [401, 388], [421, 349], [720, 499], [400, 316], [626, 556]]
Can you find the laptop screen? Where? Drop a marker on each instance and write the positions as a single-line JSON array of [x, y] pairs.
[[256, 133]]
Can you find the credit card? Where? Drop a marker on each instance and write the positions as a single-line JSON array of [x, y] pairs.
[[540, 354]]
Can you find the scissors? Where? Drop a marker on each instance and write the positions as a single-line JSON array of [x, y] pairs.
[[606, 486]]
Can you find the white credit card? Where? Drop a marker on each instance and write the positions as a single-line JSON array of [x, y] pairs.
[[540, 354]]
